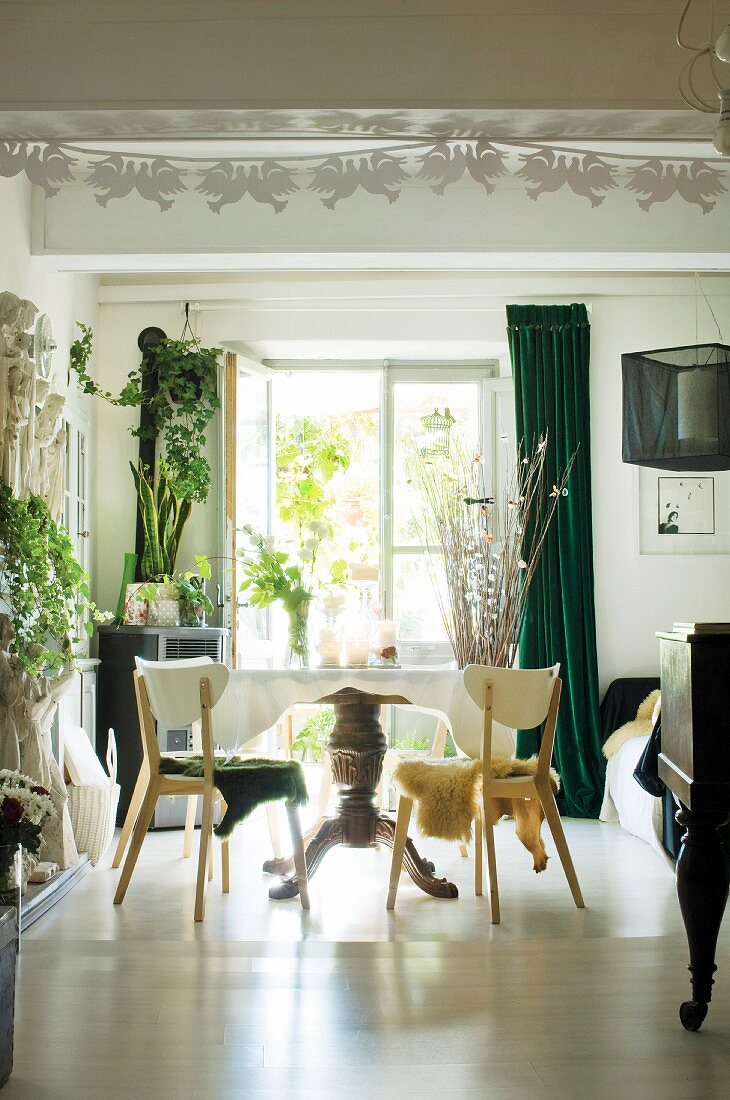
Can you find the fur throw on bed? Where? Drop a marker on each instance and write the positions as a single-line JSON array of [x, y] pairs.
[[641, 726], [448, 794], [244, 783]]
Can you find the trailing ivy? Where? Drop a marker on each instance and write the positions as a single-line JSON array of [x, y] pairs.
[[43, 587], [180, 407]]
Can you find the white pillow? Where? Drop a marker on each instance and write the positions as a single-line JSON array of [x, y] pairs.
[[82, 763]]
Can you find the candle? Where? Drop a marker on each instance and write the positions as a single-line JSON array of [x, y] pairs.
[[363, 573], [387, 631], [358, 651], [330, 646]]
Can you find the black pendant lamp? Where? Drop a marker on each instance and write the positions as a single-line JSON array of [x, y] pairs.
[[676, 413], [676, 408]]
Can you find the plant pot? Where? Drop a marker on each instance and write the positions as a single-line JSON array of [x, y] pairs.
[[164, 612], [11, 876], [192, 613]]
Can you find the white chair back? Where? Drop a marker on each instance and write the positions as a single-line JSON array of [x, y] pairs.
[[521, 700], [173, 687]]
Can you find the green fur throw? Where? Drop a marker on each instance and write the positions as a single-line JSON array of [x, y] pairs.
[[244, 784]]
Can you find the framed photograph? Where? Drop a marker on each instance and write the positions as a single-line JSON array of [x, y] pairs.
[[685, 506]]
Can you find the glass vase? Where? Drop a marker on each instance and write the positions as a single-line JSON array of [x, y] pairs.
[[297, 652], [11, 878], [192, 613]]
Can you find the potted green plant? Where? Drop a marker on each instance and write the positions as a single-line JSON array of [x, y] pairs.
[[180, 406], [44, 590], [194, 602], [164, 515]]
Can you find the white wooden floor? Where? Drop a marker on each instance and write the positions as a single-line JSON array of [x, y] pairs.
[[348, 1001]]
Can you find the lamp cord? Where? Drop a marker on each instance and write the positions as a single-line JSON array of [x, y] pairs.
[[698, 285]]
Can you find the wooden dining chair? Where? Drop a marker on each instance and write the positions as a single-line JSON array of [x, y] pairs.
[[522, 699], [191, 813], [178, 694]]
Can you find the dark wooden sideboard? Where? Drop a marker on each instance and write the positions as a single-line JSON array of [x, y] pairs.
[[695, 765]]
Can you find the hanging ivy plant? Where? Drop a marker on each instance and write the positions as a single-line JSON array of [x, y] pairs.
[[181, 406], [43, 587]]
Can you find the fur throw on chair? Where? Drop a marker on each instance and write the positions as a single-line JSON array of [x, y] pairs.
[[244, 784], [448, 793], [641, 726]]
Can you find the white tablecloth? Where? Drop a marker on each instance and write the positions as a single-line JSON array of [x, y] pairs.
[[256, 698]]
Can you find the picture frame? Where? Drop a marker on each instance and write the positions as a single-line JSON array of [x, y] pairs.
[[708, 515], [685, 506]]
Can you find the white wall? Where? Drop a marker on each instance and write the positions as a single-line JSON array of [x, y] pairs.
[[636, 595], [458, 316], [65, 298]]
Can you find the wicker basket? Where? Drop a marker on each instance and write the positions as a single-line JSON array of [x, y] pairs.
[[93, 810]]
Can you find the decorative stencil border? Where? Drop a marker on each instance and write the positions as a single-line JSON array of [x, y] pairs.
[[382, 172]]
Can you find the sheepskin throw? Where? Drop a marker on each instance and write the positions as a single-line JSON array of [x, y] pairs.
[[448, 792], [641, 726], [244, 784]]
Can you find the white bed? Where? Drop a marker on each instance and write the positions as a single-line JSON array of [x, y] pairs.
[[625, 802]]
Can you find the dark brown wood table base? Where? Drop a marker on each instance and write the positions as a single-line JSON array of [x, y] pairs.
[[357, 748]]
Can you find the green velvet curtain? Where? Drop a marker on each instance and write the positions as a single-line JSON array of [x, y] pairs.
[[550, 349]]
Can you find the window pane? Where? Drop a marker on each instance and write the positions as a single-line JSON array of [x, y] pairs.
[[315, 410], [413, 400], [415, 603]]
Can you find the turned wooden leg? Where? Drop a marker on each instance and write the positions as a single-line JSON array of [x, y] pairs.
[[703, 878]]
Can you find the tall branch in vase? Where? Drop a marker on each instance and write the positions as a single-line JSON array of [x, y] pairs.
[[483, 552]]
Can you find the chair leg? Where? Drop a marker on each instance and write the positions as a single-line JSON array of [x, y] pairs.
[[225, 858], [402, 821], [463, 850], [140, 830], [488, 833], [206, 829], [300, 861], [478, 856], [552, 816], [190, 825], [274, 832], [135, 805], [326, 785]]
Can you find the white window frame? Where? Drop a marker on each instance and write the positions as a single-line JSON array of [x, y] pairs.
[[493, 390]]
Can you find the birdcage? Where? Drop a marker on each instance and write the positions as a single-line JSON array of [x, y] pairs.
[[436, 431]]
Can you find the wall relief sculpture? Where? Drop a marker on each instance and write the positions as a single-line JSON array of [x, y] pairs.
[[32, 457]]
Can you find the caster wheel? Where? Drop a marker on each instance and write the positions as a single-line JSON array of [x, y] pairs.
[[692, 1014]]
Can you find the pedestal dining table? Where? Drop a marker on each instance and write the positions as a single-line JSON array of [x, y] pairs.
[[256, 698]]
